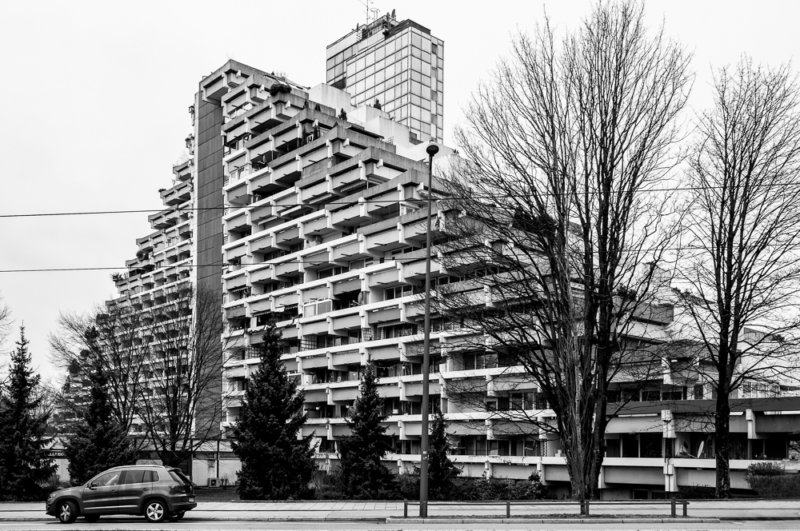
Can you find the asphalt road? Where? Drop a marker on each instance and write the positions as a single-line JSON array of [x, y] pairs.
[[196, 523]]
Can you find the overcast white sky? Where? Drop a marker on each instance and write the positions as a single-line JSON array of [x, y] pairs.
[[94, 97]]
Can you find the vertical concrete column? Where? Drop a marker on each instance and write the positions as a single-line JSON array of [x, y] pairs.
[[670, 480]]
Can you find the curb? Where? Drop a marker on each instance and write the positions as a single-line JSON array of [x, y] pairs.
[[523, 520]]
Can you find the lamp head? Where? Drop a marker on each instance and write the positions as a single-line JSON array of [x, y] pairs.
[[432, 149]]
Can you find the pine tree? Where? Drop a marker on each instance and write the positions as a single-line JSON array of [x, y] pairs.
[[363, 474], [99, 441], [441, 470], [24, 462], [276, 464]]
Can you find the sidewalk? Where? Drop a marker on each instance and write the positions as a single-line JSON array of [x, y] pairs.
[[392, 511]]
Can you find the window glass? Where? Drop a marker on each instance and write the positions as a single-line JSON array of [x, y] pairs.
[[108, 479], [426, 69], [150, 476], [178, 476], [132, 476]]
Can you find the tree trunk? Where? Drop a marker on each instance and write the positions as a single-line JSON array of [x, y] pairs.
[[722, 430]]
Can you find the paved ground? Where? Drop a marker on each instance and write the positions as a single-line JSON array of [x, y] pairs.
[[194, 523], [735, 514]]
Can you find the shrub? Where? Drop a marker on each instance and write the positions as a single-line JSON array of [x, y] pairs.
[[770, 480], [766, 468], [480, 489]]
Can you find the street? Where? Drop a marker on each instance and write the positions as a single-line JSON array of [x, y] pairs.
[[199, 523]]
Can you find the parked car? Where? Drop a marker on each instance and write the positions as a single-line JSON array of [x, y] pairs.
[[157, 492]]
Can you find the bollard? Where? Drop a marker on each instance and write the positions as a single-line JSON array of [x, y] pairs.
[[508, 509], [685, 503], [672, 511], [405, 508]]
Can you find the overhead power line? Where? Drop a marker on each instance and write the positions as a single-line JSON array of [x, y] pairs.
[[248, 267], [366, 201]]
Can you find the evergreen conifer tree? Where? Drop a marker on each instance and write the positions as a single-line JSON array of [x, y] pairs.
[[99, 441], [363, 474], [441, 470], [276, 465], [24, 462]]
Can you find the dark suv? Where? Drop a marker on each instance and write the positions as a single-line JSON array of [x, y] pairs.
[[157, 492]]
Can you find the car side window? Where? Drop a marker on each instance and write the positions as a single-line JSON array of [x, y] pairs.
[[150, 476], [133, 476], [108, 479]]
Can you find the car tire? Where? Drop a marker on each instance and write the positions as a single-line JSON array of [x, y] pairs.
[[92, 518], [155, 511], [67, 511]]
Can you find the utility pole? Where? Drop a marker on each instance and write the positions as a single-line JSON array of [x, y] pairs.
[[432, 150]]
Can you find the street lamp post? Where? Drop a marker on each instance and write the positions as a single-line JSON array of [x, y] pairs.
[[432, 150]]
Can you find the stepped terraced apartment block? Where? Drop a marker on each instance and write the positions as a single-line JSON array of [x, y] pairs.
[[324, 232], [310, 210]]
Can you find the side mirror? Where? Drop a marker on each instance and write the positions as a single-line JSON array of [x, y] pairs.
[[92, 485]]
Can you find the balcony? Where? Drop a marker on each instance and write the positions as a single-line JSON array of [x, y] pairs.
[[178, 194], [316, 259], [352, 215], [236, 220], [345, 394], [288, 236], [344, 181], [347, 249], [234, 250], [385, 279], [286, 299], [320, 224], [265, 274], [260, 304], [237, 193], [350, 357], [384, 240], [263, 182], [164, 219], [312, 193]]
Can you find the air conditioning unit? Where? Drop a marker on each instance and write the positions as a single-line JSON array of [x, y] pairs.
[[213, 482]]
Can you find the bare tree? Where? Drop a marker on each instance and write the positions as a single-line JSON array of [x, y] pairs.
[[116, 336], [5, 322], [743, 234], [181, 403], [556, 249]]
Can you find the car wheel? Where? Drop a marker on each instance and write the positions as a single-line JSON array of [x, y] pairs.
[[67, 512], [155, 511], [92, 518]]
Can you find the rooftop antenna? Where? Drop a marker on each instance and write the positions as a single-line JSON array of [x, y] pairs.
[[370, 11]]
